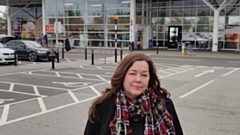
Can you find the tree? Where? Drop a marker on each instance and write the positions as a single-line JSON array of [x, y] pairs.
[[187, 23], [203, 24]]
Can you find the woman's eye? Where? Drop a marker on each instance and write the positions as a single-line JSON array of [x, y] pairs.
[[144, 75]]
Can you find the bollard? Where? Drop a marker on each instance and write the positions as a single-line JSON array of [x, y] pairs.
[[115, 55], [15, 58], [62, 53], [92, 57], [121, 53], [183, 48], [157, 48], [85, 53], [52, 55]]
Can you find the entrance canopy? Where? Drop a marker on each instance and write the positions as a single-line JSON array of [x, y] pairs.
[[13, 2]]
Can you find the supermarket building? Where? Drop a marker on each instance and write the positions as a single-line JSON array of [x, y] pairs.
[[205, 24]]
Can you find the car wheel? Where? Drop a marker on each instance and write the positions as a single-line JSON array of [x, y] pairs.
[[32, 56]]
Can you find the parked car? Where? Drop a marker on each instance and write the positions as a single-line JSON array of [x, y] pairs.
[[4, 38], [30, 50], [6, 54]]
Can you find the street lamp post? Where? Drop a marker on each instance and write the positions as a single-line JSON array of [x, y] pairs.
[[115, 18], [131, 39], [104, 12]]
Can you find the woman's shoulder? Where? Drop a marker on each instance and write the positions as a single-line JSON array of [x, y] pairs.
[[168, 100], [106, 104], [106, 109]]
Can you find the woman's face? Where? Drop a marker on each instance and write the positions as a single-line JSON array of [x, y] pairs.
[[136, 79]]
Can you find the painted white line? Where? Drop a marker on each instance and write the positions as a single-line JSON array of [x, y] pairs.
[[94, 90], [81, 66], [218, 67], [201, 66], [51, 110], [17, 92], [101, 78], [35, 85], [234, 70], [42, 105], [163, 71], [66, 77], [98, 67], [234, 61], [177, 73], [67, 59], [173, 67], [40, 100], [79, 76], [188, 66], [171, 70], [89, 86], [198, 88], [23, 72], [82, 73], [36, 90], [11, 87], [22, 101], [94, 68], [176, 59], [204, 72], [4, 114], [29, 72], [57, 74], [75, 99], [109, 67]]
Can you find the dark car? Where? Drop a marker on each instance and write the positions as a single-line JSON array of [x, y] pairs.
[[30, 50], [4, 38]]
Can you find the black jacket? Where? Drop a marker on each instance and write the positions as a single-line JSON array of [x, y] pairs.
[[106, 111]]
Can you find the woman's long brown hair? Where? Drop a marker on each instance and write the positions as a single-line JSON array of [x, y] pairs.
[[118, 78]]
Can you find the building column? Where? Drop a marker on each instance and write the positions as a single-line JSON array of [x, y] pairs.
[[133, 17], [43, 17], [216, 21], [9, 24], [215, 31]]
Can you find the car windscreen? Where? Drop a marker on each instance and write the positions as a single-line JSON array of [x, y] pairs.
[[32, 44]]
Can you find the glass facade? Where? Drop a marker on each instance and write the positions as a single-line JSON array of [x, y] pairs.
[[26, 20], [196, 19], [82, 21]]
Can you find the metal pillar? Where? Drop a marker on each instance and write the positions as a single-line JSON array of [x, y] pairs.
[[115, 18], [216, 21]]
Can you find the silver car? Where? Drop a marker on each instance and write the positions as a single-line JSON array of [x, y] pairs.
[[6, 54]]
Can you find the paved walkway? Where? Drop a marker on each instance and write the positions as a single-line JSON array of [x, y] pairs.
[[203, 54]]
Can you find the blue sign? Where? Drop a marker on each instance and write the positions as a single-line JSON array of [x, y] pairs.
[[150, 43]]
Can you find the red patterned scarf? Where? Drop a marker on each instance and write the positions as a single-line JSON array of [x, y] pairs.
[[149, 106]]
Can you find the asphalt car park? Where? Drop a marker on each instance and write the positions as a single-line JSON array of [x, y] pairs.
[[26, 95]]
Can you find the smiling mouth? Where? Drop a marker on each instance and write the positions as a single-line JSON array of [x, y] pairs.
[[138, 87]]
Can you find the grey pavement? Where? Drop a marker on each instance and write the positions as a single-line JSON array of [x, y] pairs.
[[55, 101], [172, 52]]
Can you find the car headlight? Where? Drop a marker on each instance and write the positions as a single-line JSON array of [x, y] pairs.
[[41, 52]]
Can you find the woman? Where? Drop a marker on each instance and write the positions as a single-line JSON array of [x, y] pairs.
[[135, 104]]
